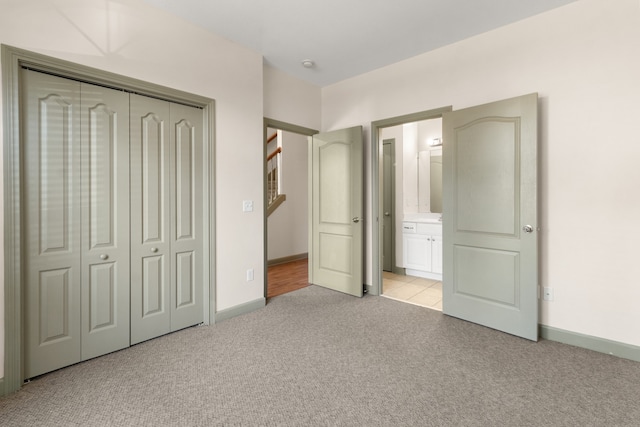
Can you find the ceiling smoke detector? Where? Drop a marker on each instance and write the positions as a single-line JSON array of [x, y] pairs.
[[307, 63]]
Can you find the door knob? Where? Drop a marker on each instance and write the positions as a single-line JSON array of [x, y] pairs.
[[154, 250], [356, 219], [104, 256], [527, 229], [387, 214]]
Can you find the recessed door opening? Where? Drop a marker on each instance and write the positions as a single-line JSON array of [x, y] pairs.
[[71, 198], [412, 212], [489, 199], [286, 207], [286, 201]]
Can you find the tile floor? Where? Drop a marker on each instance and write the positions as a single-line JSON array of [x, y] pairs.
[[414, 290]]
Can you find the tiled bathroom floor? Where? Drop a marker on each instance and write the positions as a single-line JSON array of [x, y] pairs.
[[414, 290]]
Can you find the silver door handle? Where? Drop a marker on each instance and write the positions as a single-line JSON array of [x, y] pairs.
[[356, 219], [104, 256], [387, 214], [527, 229], [154, 250]]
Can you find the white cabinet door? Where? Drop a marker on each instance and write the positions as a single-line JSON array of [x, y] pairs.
[[417, 252], [436, 254]]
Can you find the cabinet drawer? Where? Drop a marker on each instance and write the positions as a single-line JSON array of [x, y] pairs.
[[409, 227], [431, 229]]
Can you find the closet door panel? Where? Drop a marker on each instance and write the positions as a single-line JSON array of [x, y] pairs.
[[150, 211], [105, 220], [186, 216], [51, 216]]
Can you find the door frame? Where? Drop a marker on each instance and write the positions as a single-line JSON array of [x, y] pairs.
[[376, 186], [394, 267], [287, 127], [13, 59]]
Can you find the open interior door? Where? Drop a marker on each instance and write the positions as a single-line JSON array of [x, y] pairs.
[[335, 211], [490, 215]]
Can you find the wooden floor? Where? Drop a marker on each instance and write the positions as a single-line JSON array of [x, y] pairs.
[[283, 278]]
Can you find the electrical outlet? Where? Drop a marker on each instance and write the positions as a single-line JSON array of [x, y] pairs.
[[547, 293], [249, 274]]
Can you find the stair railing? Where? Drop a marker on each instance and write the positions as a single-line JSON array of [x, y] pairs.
[[274, 166]]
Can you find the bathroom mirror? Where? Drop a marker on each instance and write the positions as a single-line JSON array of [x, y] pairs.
[[430, 181], [429, 147], [436, 182]]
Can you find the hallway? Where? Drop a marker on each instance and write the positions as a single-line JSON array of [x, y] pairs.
[[287, 277]]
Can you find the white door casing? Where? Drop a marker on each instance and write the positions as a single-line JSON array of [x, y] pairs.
[[336, 219], [490, 215]]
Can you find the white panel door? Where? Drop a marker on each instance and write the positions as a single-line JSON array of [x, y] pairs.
[[490, 215], [186, 216], [105, 220], [335, 164], [51, 206], [150, 219]]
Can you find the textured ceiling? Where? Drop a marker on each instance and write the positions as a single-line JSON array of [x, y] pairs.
[[345, 38]]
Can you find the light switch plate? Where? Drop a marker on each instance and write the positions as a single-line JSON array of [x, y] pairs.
[[247, 206]]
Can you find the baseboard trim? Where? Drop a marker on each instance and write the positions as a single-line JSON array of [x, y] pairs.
[[601, 345], [399, 270], [286, 259], [3, 390], [241, 309]]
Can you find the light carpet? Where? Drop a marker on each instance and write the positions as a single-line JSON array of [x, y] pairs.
[[318, 357]]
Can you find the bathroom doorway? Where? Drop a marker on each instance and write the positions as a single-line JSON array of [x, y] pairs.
[[409, 161]]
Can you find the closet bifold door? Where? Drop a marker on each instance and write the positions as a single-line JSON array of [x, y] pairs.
[[166, 217], [150, 219], [51, 218], [105, 220], [186, 216]]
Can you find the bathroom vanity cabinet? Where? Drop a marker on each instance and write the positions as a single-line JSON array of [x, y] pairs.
[[422, 249]]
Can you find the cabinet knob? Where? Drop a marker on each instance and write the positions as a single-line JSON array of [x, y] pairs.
[[154, 250], [104, 257]]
